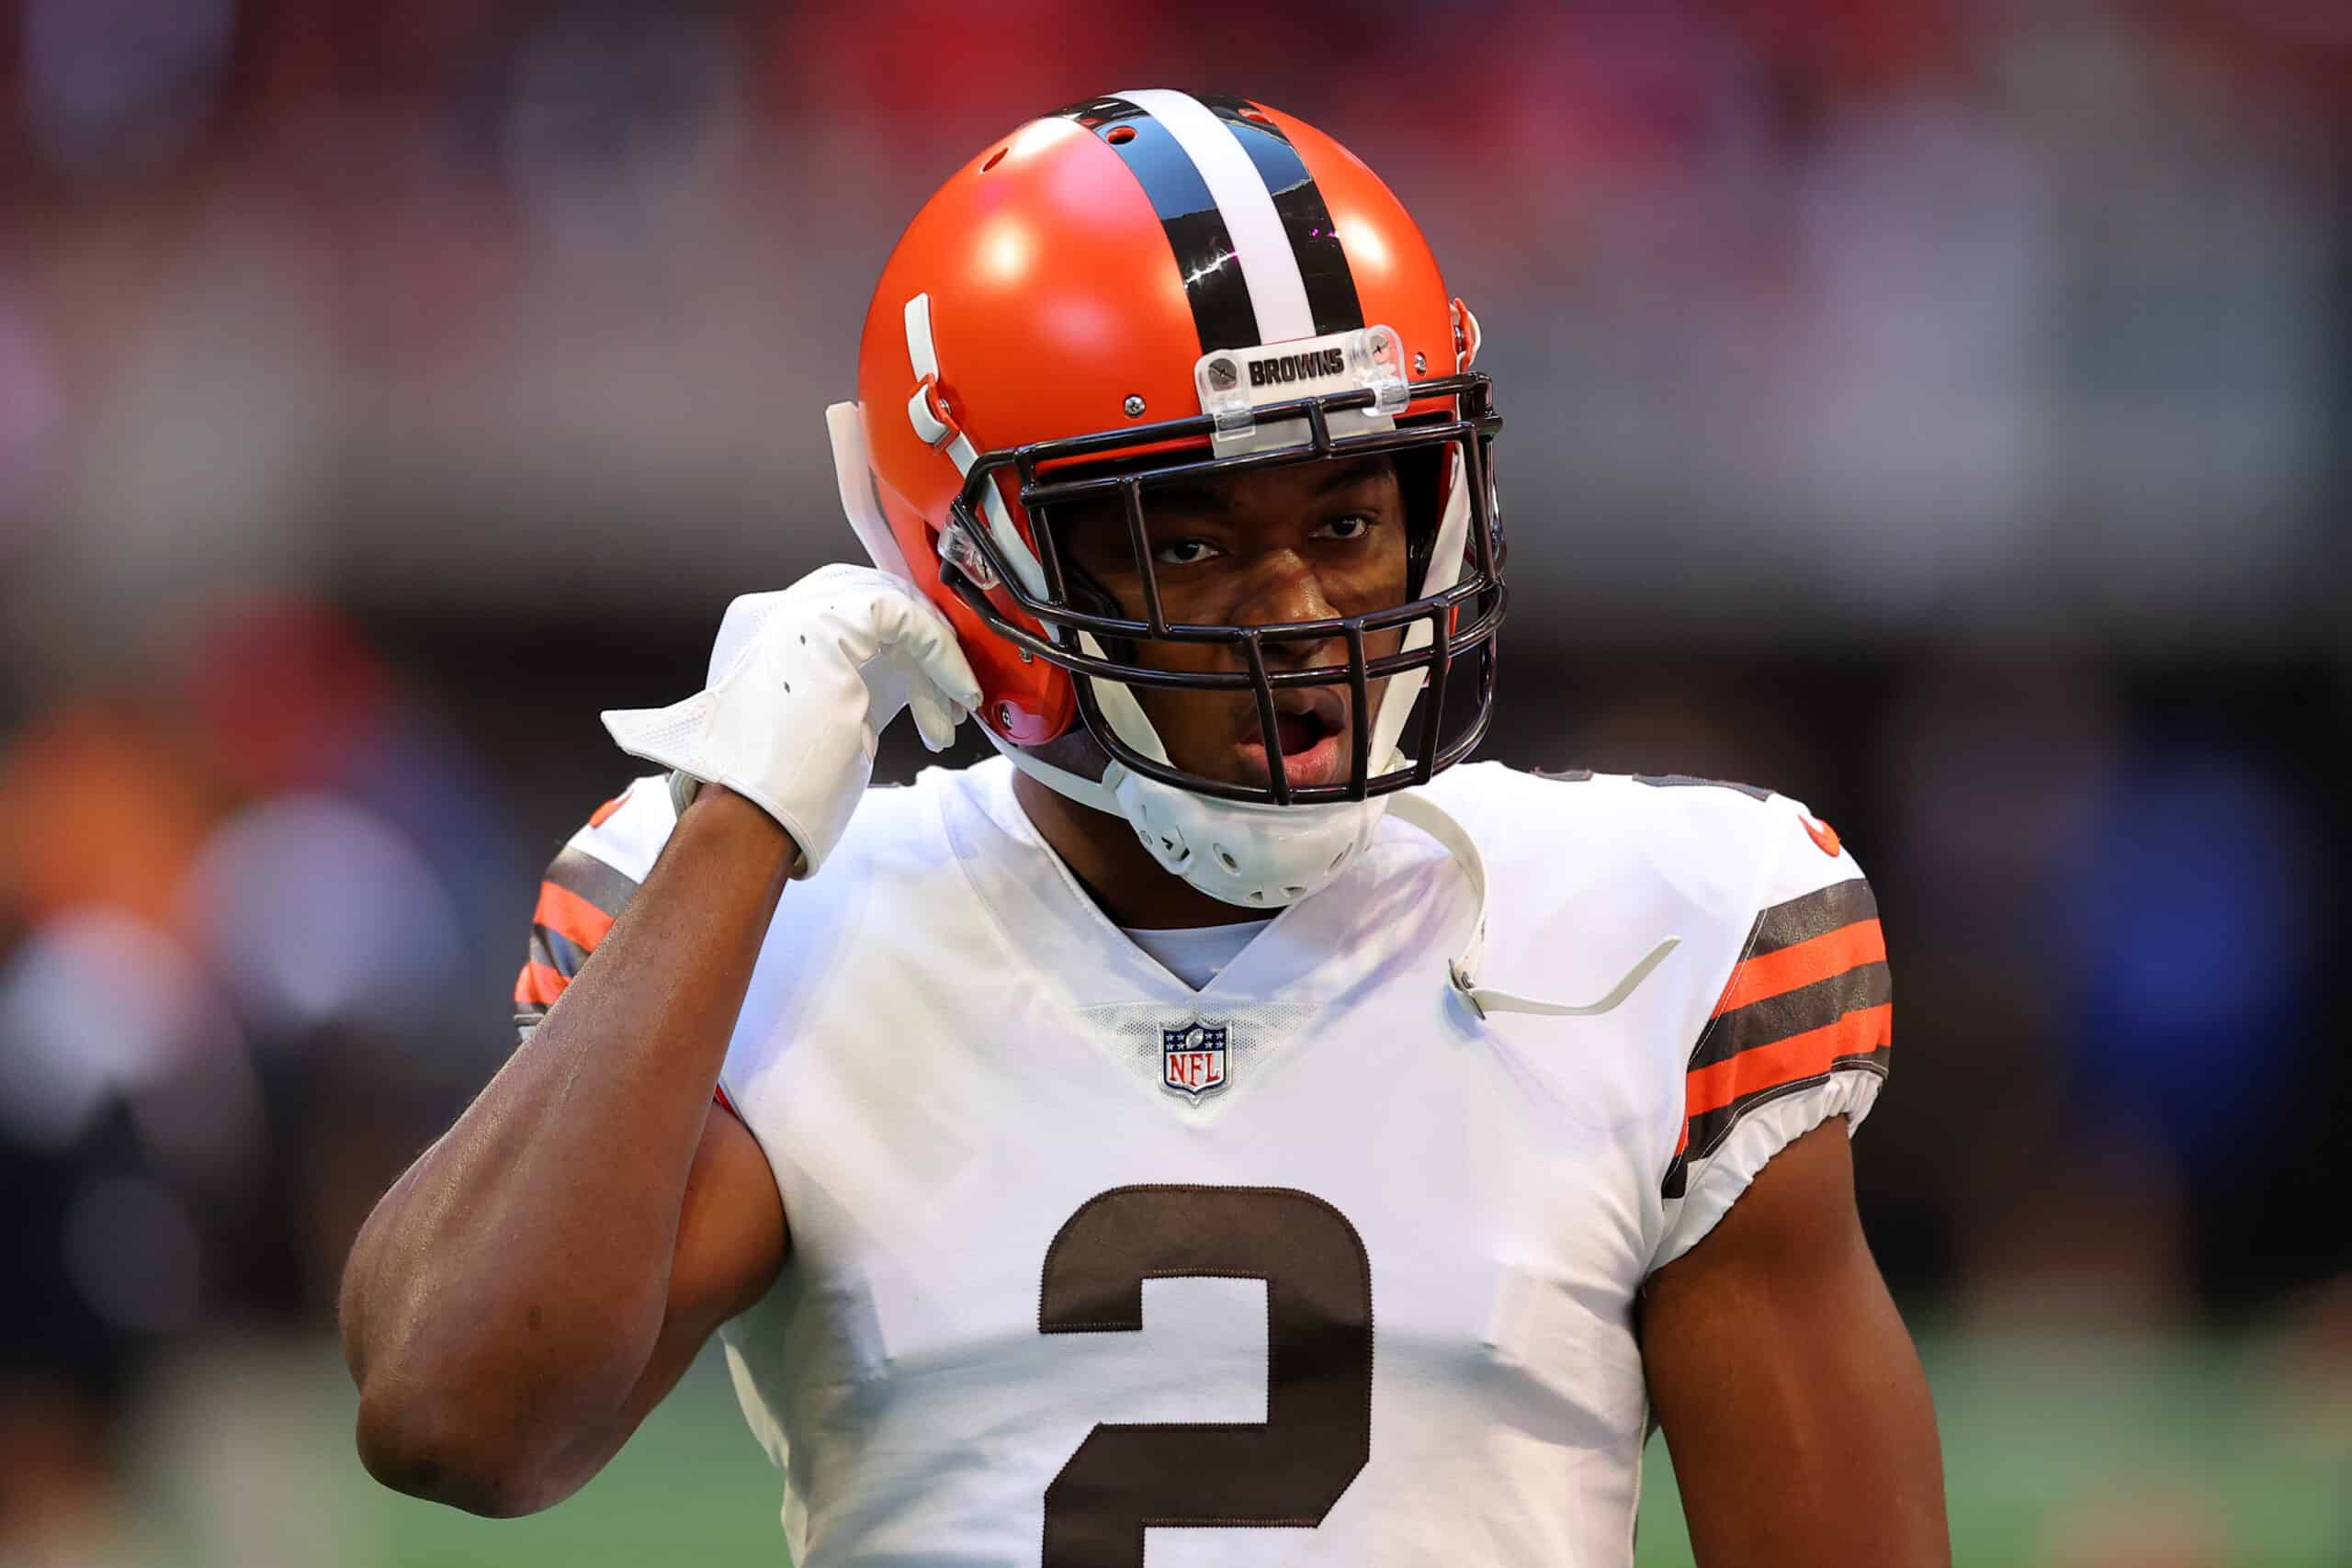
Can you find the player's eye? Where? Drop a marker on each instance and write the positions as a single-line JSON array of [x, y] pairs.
[[1353, 526], [1184, 552]]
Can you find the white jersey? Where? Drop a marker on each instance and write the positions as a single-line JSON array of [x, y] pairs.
[[1313, 1265]]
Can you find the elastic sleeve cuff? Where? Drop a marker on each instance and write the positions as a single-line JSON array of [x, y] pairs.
[[1716, 1184]]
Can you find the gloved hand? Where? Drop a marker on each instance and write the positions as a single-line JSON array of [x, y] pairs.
[[801, 682]]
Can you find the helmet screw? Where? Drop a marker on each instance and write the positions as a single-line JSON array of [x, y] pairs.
[[1027, 657], [1420, 363], [1005, 716], [1134, 405]]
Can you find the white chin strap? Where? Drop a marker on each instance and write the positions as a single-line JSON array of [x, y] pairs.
[[1430, 818], [1282, 837]]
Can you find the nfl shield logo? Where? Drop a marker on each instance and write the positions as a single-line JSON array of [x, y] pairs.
[[1191, 1058]]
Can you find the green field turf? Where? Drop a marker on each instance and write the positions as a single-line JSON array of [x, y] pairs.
[[2056, 1451]]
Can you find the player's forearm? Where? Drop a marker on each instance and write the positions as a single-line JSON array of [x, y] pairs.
[[510, 1289]]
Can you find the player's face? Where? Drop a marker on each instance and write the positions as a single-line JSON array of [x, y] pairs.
[[1301, 543]]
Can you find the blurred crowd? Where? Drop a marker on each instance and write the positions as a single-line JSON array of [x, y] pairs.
[[1936, 408]]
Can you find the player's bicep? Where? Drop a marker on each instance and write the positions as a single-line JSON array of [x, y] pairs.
[[1793, 1401], [731, 1232], [731, 1245]]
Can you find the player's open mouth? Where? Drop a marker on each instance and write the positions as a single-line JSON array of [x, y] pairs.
[[1311, 726]]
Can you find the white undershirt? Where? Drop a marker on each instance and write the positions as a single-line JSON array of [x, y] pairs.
[[1197, 955]]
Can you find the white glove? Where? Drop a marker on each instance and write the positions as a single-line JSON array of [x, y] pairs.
[[801, 682]]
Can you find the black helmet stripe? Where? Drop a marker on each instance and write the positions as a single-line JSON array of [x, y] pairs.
[[1196, 230], [1288, 278], [1322, 264]]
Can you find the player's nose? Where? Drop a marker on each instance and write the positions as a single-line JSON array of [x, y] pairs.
[[1287, 591]]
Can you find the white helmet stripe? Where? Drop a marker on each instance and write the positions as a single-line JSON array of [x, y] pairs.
[[1261, 244]]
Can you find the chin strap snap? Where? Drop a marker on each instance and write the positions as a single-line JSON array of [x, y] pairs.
[[1462, 970]]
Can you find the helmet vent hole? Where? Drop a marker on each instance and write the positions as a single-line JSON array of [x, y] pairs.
[[1119, 135], [1294, 892], [1224, 858], [994, 158], [1336, 860]]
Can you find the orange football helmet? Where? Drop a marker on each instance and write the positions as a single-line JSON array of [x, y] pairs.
[[1153, 286]]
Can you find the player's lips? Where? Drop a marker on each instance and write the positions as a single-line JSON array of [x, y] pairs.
[[1311, 726]]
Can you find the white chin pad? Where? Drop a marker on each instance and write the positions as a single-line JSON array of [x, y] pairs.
[[1260, 857]]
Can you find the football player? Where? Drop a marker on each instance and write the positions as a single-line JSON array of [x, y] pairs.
[[1228, 1127]]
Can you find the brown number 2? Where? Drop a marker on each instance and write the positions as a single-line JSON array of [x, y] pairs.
[[1288, 1471]]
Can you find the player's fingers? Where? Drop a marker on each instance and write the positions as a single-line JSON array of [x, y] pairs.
[[927, 639], [934, 717]]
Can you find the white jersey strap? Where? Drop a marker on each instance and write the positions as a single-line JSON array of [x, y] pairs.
[[1430, 818]]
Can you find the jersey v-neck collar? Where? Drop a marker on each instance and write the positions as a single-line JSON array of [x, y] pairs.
[[1052, 926]]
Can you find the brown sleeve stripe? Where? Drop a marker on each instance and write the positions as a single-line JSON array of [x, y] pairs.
[[556, 951], [1803, 964], [1701, 1136], [1811, 997], [566, 914], [1814, 914], [577, 905], [1863, 1033], [1761, 1025], [1716, 1097], [590, 879]]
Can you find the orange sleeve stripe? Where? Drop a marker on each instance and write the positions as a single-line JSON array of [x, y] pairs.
[[596, 818], [538, 984], [1776, 973], [1800, 1057], [570, 916]]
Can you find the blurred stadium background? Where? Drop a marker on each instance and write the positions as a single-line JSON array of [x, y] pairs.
[[1938, 410]]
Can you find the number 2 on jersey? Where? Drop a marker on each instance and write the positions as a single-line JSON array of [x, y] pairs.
[[1317, 1436]]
